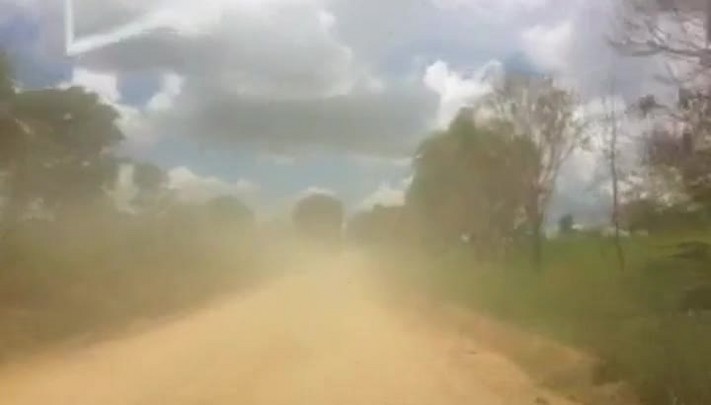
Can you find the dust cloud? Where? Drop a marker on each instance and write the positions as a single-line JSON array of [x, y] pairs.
[[321, 333]]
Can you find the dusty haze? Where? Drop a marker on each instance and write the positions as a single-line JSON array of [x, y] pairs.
[[319, 334]]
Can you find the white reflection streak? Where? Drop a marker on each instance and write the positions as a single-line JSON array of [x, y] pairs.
[[75, 47]]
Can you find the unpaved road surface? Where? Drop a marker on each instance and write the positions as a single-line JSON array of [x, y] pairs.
[[313, 337]]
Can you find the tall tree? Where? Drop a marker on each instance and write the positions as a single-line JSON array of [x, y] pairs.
[[566, 224], [679, 33], [7, 85], [612, 152], [471, 181], [681, 148], [230, 211], [69, 160], [320, 216], [546, 117], [677, 29], [151, 183], [14, 140], [379, 225], [56, 150]]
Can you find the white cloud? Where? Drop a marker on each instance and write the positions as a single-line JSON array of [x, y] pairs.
[[574, 46], [372, 162], [315, 190], [172, 86], [387, 123], [499, 9], [236, 47], [265, 73], [186, 17], [584, 185], [143, 128], [387, 195], [326, 19], [103, 84], [277, 159], [140, 126], [456, 90], [549, 46], [192, 188], [188, 187], [137, 128], [289, 75]]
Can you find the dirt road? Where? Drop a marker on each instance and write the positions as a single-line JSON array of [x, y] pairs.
[[314, 337]]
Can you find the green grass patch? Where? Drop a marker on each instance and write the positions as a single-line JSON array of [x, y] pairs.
[[629, 318]]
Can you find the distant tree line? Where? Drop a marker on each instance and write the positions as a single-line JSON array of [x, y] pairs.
[[58, 160], [71, 259], [487, 180]]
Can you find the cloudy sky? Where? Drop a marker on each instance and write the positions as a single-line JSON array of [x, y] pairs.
[[271, 98]]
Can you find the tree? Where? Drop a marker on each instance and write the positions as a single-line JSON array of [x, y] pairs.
[[378, 225], [679, 148], [151, 182], [471, 181], [677, 29], [7, 85], [566, 224], [677, 32], [640, 214], [231, 211], [56, 148], [320, 216], [13, 137], [612, 152], [546, 118]]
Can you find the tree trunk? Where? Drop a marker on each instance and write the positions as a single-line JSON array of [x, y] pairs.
[[10, 216], [537, 244], [615, 188], [11, 212], [616, 211]]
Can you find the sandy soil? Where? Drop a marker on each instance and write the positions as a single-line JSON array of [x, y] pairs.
[[317, 336]]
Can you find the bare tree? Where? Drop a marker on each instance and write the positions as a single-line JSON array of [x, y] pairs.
[[679, 29], [548, 118], [612, 153], [679, 33]]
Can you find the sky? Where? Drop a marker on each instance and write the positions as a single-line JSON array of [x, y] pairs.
[[273, 99]]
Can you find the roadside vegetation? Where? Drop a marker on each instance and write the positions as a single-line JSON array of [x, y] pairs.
[[648, 323], [637, 323], [476, 227], [73, 261], [634, 288]]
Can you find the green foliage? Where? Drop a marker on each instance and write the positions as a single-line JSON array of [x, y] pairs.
[[148, 177], [70, 262], [547, 117], [634, 321], [7, 85], [152, 193], [566, 225], [320, 216], [472, 180], [230, 211], [56, 145], [381, 225], [104, 270], [653, 217]]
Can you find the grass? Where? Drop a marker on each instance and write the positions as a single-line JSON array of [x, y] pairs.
[[627, 318], [60, 282]]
